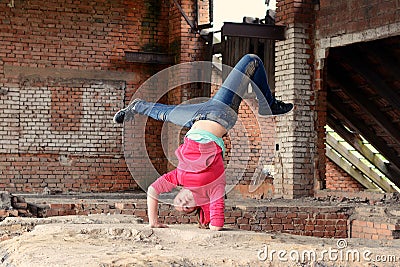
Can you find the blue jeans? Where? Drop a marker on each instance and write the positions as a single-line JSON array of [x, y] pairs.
[[224, 105]]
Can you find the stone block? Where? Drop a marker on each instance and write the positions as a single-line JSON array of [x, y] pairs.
[[5, 200]]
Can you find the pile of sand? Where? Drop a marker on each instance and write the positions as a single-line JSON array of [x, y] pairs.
[[118, 240]]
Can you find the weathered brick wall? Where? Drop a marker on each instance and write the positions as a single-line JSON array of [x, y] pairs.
[[312, 28], [296, 160], [374, 230], [319, 219], [308, 221], [163, 139], [66, 140], [379, 222], [339, 180], [88, 35], [340, 23], [322, 221], [63, 75], [351, 16]]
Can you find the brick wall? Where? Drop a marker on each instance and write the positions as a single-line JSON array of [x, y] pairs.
[[58, 173], [321, 221], [339, 180], [374, 230], [250, 146], [340, 23], [318, 219], [63, 75], [88, 35], [312, 28], [379, 222], [308, 221], [296, 159], [351, 16]]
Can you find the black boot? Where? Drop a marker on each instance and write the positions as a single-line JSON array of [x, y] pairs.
[[277, 107]]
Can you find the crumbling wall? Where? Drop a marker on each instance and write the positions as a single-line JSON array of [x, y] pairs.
[[341, 23], [66, 140], [373, 216], [351, 16], [63, 75], [312, 28], [305, 218], [338, 180], [297, 154]]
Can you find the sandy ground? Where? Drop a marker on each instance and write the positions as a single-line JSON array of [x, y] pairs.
[[118, 240]]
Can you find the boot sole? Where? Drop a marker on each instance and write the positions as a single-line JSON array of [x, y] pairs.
[[276, 115]]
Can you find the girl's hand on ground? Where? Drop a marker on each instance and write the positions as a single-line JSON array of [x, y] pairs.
[[216, 228], [158, 225]]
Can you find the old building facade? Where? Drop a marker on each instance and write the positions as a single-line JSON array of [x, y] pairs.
[[66, 67]]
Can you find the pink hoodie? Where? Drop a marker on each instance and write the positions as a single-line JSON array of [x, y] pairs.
[[201, 170]]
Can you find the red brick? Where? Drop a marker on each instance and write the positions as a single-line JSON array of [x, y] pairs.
[[230, 220], [341, 227], [236, 213], [318, 234], [369, 230], [122, 206], [277, 227], [288, 227], [266, 227], [329, 234], [140, 213], [330, 228], [4, 213], [275, 220], [243, 221], [309, 227], [244, 227], [384, 232], [281, 215], [341, 233], [128, 212]]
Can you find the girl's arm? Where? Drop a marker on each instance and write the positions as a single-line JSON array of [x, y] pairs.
[[152, 208], [165, 183], [217, 207]]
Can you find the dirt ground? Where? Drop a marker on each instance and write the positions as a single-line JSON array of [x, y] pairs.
[[121, 240]]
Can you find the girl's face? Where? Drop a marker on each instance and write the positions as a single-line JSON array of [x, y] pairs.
[[184, 201]]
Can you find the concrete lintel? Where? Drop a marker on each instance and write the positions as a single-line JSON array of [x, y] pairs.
[[362, 36]]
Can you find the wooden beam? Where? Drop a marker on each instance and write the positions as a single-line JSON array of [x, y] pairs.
[[358, 164], [350, 170], [217, 48], [356, 61], [367, 106], [336, 105], [383, 56], [355, 141], [275, 32]]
